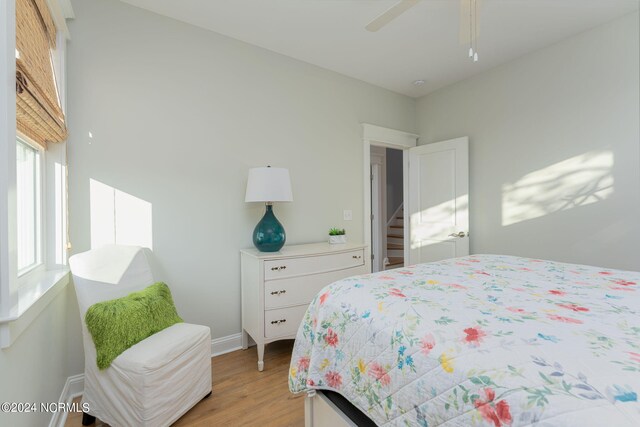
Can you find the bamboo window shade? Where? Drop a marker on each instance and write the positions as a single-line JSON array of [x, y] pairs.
[[39, 115]]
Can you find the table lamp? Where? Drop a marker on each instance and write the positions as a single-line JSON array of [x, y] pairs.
[[269, 185]]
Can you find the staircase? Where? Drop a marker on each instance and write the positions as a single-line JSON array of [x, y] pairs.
[[395, 240]]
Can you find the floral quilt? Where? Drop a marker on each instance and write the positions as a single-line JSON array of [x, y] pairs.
[[483, 340]]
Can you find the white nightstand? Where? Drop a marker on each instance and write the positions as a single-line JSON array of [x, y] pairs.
[[277, 287]]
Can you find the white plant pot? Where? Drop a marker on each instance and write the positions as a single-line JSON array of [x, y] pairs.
[[336, 240]]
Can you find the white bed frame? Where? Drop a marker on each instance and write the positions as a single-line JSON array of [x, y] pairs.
[[321, 412]]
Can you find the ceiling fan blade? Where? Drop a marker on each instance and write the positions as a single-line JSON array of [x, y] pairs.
[[392, 13]]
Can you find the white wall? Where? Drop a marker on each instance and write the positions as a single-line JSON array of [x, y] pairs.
[[179, 114], [34, 367], [562, 125]]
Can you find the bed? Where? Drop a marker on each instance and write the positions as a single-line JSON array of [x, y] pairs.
[[480, 340]]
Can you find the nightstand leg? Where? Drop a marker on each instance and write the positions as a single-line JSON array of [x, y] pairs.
[[245, 340], [260, 347]]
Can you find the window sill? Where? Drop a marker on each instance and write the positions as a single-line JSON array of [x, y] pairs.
[[33, 296]]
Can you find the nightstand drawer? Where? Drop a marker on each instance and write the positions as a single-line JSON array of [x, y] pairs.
[[283, 321], [301, 290], [277, 269]]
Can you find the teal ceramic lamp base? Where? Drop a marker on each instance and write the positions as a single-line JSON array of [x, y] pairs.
[[269, 235]]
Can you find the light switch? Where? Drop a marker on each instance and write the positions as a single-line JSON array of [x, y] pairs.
[[347, 214]]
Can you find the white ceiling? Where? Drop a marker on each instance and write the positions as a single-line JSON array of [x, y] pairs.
[[423, 43]]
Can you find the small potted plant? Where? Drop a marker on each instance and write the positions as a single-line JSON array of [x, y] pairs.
[[337, 236]]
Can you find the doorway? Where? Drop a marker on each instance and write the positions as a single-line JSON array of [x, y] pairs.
[[387, 208], [434, 218]]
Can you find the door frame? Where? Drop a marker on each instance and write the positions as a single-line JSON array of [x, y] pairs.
[[378, 136], [379, 160]]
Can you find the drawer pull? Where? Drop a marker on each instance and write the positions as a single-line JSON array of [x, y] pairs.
[[277, 322], [282, 267], [278, 292], [356, 256]]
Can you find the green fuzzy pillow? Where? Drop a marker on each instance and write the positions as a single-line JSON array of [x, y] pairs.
[[118, 324]]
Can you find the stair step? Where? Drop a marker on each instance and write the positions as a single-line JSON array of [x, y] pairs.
[[397, 236], [391, 246], [396, 226], [395, 261], [400, 217]]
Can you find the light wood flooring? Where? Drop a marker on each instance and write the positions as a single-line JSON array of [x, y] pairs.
[[242, 396]]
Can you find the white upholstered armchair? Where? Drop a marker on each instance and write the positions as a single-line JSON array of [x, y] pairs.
[[154, 382]]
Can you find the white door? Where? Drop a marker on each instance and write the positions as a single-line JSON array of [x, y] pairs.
[[438, 205]]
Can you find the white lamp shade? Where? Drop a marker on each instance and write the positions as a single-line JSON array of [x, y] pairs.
[[268, 185]]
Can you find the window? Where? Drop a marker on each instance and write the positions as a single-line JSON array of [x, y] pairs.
[[28, 190]]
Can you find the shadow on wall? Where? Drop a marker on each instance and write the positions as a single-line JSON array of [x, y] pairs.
[[118, 217], [578, 181]]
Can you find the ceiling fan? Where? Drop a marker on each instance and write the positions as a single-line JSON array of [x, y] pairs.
[[468, 21]]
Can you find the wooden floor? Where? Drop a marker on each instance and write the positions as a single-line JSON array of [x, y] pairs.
[[242, 396]]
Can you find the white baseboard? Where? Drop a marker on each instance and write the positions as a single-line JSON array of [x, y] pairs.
[[74, 385], [73, 388], [226, 344]]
